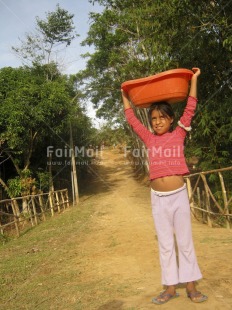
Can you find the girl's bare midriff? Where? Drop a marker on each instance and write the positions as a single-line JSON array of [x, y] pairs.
[[169, 183]]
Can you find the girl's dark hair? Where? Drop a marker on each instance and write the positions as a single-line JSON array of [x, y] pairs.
[[164, 108]]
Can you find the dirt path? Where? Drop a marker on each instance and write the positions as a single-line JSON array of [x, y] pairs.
[[120, 252]]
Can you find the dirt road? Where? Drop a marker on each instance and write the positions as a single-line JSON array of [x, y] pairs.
[[120, 252]]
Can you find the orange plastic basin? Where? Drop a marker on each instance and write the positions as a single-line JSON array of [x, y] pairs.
[[170, 86]]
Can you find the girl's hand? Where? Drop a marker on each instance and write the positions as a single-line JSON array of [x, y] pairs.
[[197, 71], [193, 87], [125, 100], [124, 94]]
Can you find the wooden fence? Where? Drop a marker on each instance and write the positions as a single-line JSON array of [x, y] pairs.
[[15, 214], [211, 205]]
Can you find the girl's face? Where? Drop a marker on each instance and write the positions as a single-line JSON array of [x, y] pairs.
[[160, 123]]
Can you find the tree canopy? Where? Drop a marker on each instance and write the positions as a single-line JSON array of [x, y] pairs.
[[52, 33]]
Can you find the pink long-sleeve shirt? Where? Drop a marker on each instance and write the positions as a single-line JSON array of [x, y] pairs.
[[165, 152]]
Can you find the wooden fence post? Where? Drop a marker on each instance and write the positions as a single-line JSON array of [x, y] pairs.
[[66, 198], [1, 227], [199, 202], [16, 219], [62, 198], [42, 207], [226, 209], [24, 205], [51, 203], [31, 216], [207, 200], [34, 210], [58, 201]]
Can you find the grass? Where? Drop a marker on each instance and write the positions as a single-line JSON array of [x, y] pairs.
[[37, 268], [45, 267]]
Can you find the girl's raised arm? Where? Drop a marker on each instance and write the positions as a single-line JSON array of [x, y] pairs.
[[125, 100], [193, 87]]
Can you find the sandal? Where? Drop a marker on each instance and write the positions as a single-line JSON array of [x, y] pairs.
[[167, 297], [196, 296]]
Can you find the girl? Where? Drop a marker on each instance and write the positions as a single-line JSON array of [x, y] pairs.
[[169, 198]]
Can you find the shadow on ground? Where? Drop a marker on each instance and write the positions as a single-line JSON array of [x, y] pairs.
[[112, 305]]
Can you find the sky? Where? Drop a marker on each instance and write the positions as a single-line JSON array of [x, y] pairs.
[[18, 17]]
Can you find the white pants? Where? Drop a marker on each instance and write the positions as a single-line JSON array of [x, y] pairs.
[[171, 213]]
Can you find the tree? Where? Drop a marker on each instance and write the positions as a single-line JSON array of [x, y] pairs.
[[51, 34], [36, 100], [133, 39], [31, 109]]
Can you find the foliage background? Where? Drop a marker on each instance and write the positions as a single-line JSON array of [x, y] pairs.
[[134, 39]]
